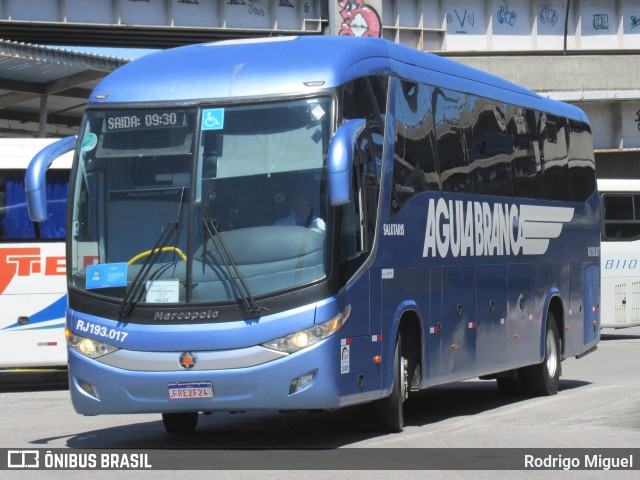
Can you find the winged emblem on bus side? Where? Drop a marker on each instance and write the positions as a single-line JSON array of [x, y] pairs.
[[540, 224]]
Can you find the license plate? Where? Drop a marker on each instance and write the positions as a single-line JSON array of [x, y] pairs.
[[184, 391]]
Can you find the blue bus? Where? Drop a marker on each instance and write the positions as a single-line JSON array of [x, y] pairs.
[[312, 223]]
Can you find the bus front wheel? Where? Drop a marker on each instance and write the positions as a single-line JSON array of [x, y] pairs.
[[543, 378], [390, 410], [180, 422]]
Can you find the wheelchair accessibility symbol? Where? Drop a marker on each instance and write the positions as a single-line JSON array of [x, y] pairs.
[[213, 119]]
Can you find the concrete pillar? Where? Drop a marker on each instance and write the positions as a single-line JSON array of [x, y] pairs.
[[42, 129]]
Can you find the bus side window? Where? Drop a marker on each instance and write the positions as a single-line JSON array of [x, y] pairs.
[[15, 223], [490, 148], [354, 239], [3, 204], [554, 151], [621, 212], [414, 168], [525, 159], [452, 127], [371, 151], [359, 215], [367, 98], [363, 98], [582, 173]]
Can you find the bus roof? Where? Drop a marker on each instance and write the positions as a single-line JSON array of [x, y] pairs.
[[267, 67]]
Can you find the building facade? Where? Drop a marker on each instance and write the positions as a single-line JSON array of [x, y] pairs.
[[584, 52]]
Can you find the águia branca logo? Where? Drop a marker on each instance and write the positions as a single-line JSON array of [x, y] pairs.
[[465, 228]]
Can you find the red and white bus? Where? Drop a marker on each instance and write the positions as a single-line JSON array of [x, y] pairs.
[[32, 262]]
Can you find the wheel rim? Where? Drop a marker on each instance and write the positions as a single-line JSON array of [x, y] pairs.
[[404, 379], [552, 358]]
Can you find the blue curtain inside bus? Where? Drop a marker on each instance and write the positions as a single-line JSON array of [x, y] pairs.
[[55, 226], [16, 224]]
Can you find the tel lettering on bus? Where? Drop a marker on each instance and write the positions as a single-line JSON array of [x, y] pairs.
[[24, 262]]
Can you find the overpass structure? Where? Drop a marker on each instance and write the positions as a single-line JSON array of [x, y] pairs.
[[156, 23], [582, 51]]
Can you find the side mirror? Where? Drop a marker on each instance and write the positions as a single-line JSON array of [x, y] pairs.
[[340, 161], [34, 179]]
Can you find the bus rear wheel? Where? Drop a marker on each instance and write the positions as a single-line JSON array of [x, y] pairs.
[[543, 378], [180, 422], [390, 410]]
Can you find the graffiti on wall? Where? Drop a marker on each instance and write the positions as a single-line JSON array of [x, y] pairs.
[[601, 21], [260, 8], [359, 19], [254, 7], [506, 16], [462, 18], [548, 15]]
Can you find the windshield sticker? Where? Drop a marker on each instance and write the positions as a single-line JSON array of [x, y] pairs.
[[213, 119], [317, 136], [318, 112], [163, 291], [89, 142], [107, 275]]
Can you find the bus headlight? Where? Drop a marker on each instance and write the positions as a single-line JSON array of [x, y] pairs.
[[305, 338], [88, 347]]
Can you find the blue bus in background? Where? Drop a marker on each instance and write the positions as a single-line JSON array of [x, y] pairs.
[[317, 222]]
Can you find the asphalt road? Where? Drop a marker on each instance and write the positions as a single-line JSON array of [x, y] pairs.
[[597, 406]]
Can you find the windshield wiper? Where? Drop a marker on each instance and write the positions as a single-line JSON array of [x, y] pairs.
[[232, 268], [134, 290], [136, 286]]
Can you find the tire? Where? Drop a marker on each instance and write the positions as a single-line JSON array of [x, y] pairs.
[[511, 385], [390, 410], [180, 422], [543, 379]]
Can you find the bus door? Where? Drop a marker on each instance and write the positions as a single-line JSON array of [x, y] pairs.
[[358, 223]]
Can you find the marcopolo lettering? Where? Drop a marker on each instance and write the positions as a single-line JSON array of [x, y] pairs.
[[461, 228], [197, 315]]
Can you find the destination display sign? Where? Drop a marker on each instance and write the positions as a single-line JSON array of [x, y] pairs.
[[143, 120]]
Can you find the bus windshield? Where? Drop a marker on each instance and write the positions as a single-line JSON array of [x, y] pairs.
[[190, 204]]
